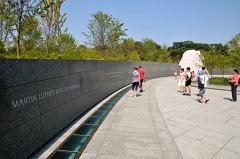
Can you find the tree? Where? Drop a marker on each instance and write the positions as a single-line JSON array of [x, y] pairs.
[[234, 59], [104, 31], [209, 60], [234, 44], [127, 47], [52, 20], [115, 33], [66, 43], [128, 50], [164, 55], [149, 50], [224, 63], [234, 50], [2, 48], [16, 12], [31, 38], [5, 22]]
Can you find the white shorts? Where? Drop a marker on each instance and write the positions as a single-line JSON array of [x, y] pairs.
[[181, 83]]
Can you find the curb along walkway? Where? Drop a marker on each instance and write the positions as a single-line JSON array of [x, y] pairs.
[[134, 129]]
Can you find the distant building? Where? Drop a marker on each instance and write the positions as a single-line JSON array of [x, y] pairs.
[[191, 58]]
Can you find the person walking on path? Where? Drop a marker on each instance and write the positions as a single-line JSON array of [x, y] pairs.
[[200, 73], [135, 82], [234, 84], [141, 73], [188, 82], [203, 86], [181, 80]]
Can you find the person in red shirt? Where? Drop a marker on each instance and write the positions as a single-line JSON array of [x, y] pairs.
[[141, 73], [234, 85]]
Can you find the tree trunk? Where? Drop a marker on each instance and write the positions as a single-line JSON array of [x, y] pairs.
[[19, 28], [48, 38], [18, 47], [1, 24], [47, 44], [1, 30], [211, 72]]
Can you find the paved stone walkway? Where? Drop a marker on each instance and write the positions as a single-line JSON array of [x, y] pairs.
[[163, 124], [201, 131], [134, 129]]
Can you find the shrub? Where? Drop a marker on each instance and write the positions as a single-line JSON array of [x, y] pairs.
[[219, 81]]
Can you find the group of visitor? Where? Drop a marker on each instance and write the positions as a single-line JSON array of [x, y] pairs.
[[184, 81], [137, 81], [185, 78]]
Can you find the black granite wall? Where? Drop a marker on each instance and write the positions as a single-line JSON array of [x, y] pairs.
[[38, 98]]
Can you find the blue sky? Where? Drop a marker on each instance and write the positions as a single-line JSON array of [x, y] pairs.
[[164, 21]]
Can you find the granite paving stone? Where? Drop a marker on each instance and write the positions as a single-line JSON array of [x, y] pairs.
[[136, 130], [169, 126], [225, 154], [211, 130], [233, 145], [214, 141], [191, 148]]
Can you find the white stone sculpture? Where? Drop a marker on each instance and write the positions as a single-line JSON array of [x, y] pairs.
[[191, 58]]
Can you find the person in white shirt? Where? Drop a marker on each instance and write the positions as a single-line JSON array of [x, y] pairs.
[[204, 81], [135, 82], [181, 80], [188, 82]]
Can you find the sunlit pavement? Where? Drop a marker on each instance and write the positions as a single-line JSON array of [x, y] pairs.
[[162, 123]]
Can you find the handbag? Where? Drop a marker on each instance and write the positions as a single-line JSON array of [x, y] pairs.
[[231, 82], [201, 85]]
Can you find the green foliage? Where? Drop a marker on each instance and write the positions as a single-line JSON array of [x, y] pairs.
[[224, 63], [234, 44], [179, 48], [2, 48], [31, 34], [234, 59], [218, 81], [149, 50], [66, 43], [14, 14], [52, 22], [134, 56], [35, 27], [104, 32], [164, 55], [209, 60]]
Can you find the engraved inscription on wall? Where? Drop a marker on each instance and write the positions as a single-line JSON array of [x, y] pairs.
[[41, 96]]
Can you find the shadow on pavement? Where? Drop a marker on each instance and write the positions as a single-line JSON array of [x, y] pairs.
[[227, 98]]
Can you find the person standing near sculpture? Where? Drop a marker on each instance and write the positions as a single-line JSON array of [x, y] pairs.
[[203, 86], [135, 82], [141, 73], [181, 80], [188, 82], [234, 84], [200, 73]]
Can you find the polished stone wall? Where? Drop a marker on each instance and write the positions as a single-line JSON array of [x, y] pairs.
[[38, 98]]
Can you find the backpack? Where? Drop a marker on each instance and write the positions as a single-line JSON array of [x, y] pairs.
[[190, 74]]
